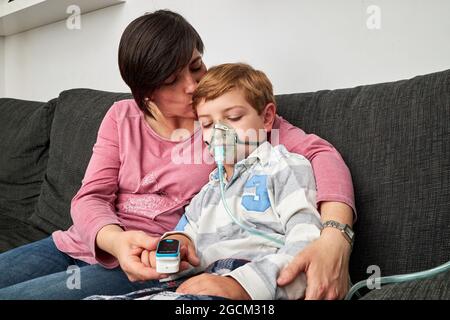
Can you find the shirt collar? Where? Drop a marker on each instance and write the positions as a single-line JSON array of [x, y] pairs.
[[261, 154], [214, 175]]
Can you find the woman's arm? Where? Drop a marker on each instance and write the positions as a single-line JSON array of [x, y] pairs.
[[92, 208], [333, 179], [94, 214]]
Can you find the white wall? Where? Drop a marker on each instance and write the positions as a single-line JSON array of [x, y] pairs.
[[303, 45], [2, 67]]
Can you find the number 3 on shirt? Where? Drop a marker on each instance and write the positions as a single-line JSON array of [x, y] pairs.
[[257, 198]]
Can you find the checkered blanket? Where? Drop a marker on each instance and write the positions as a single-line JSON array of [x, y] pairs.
[[166, 290]]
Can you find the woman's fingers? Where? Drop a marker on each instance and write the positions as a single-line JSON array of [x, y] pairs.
[[137, 271], [291, 271], [145, 258], [315, 290], [152, 259], [137, 254], [143, 240]]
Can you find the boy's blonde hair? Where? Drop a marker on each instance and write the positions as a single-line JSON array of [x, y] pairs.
[[255, 85]]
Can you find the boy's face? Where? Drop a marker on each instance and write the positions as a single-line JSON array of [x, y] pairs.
[[233, 110]]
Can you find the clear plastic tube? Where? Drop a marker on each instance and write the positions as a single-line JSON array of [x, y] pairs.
[[219, 155], [401, 278]]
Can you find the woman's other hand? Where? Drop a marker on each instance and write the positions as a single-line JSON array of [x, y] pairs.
[[326, 260]]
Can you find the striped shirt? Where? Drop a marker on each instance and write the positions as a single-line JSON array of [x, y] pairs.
[[273, 190]]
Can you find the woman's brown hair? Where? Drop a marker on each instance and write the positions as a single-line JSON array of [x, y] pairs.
[[152, 48]]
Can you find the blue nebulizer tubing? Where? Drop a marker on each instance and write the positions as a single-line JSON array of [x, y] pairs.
[[401, 278], [219, 157]]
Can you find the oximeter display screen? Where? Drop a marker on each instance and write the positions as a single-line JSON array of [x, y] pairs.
[[167, 246]]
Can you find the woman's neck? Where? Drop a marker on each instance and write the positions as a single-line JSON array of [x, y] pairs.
[[174, 128]]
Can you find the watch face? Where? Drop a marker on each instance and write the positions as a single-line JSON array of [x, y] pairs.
[[350, 233], [168, 246]]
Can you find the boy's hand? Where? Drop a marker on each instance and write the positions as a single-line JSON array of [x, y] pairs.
[[187, 253], [214, 285]]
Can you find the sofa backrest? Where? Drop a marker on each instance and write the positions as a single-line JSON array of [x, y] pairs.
[[24, 138], [395, 138], [77, 117]]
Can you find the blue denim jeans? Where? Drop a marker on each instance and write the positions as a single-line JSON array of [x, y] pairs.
[[39, 271]]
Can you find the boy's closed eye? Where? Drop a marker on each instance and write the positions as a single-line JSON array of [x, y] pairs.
[[234, 118], [208, 124]]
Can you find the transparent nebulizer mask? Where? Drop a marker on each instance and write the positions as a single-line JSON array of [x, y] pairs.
[[225, 139], [223, 145]]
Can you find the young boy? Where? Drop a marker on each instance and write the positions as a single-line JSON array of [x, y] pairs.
[[266, 188]]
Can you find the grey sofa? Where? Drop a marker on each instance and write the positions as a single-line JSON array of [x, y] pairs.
[[395, 138]]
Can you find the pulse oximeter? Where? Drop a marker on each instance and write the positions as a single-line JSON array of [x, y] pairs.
[[168, 256]]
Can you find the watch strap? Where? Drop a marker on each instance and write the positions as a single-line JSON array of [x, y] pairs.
[[345, 229]]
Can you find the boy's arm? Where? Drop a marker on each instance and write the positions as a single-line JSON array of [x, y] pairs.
[[185, 231], [302, 225], [188, 223]]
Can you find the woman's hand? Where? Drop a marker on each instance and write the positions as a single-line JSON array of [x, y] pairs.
[[214, 285], [127, 247], [326, 260], [188, 256]]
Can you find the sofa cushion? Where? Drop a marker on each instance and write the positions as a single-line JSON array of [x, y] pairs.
[[434, 288], [78, 115], [395, 138], [24, 131], [14, 233]]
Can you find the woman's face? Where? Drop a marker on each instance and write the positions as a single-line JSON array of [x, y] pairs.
[[174, 98]]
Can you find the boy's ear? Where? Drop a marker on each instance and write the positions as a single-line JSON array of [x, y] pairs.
[[268, 114]]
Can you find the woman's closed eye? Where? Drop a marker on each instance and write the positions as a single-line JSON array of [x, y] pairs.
[[197, 66], [171, 81], [175, 79], [206, 124], [195, 69]]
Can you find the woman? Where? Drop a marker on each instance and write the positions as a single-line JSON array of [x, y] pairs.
[[133, 191]]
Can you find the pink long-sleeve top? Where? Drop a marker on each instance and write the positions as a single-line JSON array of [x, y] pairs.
[[141, 181]]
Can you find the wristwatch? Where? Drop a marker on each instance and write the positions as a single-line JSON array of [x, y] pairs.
[[348, 233]]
